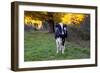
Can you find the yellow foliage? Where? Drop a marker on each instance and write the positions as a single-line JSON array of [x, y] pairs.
[[29, 21], [73, 18], [66, 18]]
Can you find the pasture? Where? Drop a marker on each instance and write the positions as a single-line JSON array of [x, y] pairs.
[[40, 46]]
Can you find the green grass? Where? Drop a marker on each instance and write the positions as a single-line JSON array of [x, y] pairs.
[[39, 46]]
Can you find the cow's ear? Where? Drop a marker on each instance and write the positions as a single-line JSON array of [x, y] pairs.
[[56, 28]]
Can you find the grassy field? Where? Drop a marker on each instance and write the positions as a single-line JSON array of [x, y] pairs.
[[40, 46]]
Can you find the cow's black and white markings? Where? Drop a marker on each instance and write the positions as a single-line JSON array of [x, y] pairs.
[[60, 35]]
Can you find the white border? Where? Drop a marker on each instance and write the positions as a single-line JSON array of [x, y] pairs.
[[34, 64]]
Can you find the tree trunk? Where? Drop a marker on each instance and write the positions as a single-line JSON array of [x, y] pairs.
[[51, 25], [50, 22]]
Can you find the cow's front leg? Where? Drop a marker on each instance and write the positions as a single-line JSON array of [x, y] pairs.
[[57, 51], [58, 47]]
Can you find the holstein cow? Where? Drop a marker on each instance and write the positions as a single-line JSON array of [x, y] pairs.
[[60, 35]]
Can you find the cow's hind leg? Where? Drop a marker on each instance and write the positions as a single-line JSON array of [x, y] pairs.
[[63, 46]]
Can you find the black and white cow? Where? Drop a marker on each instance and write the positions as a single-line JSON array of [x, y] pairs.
[[60, 35]]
